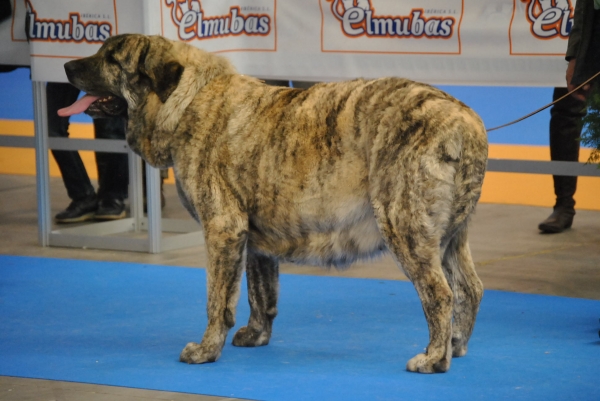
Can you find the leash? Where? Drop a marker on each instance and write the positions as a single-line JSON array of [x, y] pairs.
[[546, 106]]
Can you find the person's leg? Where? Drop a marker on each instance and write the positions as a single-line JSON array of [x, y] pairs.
[[113, 171], [75, 177], [565, 129]]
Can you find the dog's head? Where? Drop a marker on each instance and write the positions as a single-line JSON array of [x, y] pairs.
[[148, 79], [122, 73]]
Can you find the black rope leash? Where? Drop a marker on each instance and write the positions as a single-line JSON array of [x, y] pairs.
[[546, 106]]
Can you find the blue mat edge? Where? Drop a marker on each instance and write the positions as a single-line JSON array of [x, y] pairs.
[[281, 274]]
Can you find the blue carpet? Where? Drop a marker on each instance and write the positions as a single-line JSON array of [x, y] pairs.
[[495, 105], [335, 338]]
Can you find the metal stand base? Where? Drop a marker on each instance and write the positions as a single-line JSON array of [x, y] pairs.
[[109, 235]]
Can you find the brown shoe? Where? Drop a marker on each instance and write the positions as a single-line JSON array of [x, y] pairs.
[[558, 221]]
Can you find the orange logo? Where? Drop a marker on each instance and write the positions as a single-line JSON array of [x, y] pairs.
[[193, 23], [358, 18], [550, 18]]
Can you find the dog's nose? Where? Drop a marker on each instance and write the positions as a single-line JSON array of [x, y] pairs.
[[70, 68]]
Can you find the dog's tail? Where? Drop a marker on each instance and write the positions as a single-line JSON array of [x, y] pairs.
[[471, 167]]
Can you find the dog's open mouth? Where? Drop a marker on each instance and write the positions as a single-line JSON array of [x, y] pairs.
[[96, 106]]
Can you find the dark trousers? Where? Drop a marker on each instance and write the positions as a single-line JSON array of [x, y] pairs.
[[113, 168], [565, 129], [113, 172]]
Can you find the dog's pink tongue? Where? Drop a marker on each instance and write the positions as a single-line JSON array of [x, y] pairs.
[[79, 106]]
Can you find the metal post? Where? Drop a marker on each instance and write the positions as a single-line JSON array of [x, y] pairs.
[[136, 203], [41, 162], [151, 18], [154, 212]]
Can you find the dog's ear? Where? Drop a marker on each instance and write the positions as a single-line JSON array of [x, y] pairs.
[[164, 75], [164, 78]]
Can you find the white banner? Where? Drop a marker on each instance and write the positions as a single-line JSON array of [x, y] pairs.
[[464, 42]]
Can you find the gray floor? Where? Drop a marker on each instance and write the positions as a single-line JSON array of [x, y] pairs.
[[509, 252]]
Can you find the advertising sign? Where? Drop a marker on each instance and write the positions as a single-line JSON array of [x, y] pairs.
[[62, 31], [478, 42]]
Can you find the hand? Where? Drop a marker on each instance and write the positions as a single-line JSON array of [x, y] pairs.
[[582, 93]]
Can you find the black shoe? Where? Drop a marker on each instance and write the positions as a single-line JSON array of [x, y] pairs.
[[558, 221], [79, 210], [110, 209]]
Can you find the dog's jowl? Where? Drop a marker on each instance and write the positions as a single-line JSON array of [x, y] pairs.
[[328, 175]]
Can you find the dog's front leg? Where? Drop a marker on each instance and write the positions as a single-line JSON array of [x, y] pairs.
[[225, 242], [262, 274]]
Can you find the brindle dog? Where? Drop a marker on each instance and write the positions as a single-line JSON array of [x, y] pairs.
[[328, 175]]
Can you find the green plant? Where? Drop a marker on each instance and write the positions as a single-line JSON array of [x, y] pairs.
[[591, 126]]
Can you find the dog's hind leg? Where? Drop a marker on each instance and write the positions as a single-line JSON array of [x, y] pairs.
[[226, 236], [467, 288], [423, 267], [416, 248], [262, 274]]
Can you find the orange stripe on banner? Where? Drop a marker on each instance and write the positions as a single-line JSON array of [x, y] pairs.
[[506, 188]]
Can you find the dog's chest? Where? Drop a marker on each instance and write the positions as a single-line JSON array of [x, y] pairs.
[[186, 200]]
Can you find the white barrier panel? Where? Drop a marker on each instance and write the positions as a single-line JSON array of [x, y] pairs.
[[478, 42], [60, 31], [14, 48]]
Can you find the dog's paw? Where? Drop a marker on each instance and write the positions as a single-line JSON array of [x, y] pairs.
[[459, 348], [248, 337], [197, 353], [422, 363]]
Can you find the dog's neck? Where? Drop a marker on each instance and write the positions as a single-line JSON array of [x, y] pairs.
[[154, 138], [200, 68], [171, 111]]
